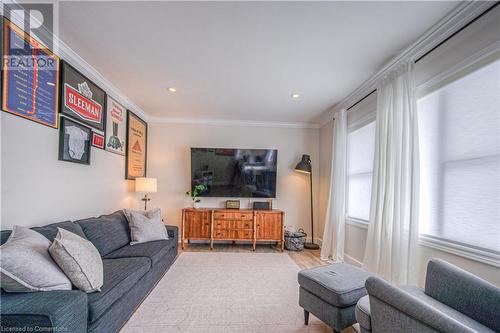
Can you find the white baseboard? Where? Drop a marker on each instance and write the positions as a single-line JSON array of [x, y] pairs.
[[317, 240], [350, 260]]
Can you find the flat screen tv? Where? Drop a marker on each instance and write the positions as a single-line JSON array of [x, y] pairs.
[[243, 173]]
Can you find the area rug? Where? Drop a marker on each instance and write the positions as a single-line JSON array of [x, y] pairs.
[[225, 292]]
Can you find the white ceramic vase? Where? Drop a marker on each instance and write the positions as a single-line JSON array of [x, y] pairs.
[[196, 204]]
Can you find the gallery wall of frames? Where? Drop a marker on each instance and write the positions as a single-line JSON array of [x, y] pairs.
[[39, 86]]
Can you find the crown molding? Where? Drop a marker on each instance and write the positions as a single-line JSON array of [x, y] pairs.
[[221, 122], [66, 53], [464, 13]]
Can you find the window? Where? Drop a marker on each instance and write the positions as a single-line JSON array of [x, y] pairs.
[[459, 130], [360, 152]]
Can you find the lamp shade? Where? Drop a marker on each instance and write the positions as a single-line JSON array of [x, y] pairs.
[[145, 185], [304, 165]]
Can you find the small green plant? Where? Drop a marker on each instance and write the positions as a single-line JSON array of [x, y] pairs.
[[197, 191]]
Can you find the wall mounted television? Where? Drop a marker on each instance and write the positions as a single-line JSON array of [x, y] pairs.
[[240, 173]]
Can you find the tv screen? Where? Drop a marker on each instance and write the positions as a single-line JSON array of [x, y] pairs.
[[244, 173]]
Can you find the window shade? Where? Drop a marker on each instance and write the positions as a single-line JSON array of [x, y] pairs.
[[459, 130], [360, 150]]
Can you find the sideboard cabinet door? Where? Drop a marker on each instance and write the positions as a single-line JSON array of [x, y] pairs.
[[268, 226], [197, 224]]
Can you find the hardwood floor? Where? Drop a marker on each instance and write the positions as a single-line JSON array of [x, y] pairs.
[[304, 259]]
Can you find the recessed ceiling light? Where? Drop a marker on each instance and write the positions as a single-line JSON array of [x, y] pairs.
[[295, 96], [172, 89]]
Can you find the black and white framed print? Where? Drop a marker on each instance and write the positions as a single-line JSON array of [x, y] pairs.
[[74, 142], [82, 99]]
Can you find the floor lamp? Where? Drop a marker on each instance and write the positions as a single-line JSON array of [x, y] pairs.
[[305, 166]]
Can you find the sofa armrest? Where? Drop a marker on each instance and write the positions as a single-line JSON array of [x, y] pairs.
[[173, 232], [464, 292], [47, 311], [394, 310]]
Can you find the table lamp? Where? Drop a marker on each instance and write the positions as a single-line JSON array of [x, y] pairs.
[[146, 186]]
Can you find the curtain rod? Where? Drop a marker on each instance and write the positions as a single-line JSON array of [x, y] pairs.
[[457, 32], [362, 99], [435, 47]]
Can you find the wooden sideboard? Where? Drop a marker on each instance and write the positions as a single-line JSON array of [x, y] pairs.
[[213, 224]]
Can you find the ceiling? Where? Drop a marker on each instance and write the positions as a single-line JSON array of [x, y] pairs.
[[242, 61]]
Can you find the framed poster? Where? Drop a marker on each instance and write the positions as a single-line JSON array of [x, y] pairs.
[[116, 132], [74, 142], [137, 142], [30, 85], [97, 140], [81, 99]]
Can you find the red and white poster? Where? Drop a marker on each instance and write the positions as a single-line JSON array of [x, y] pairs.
[[81, 98], [97, 140]]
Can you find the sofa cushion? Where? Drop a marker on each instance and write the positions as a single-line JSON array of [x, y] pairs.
[[120, 275], [153, 250], [363, 313], [450, 312], [26, 265], [145, 226], [79, 260], [107, 232], [49, 231], [338, 284]]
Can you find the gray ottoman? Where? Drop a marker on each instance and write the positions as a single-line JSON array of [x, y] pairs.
[[331, 293]]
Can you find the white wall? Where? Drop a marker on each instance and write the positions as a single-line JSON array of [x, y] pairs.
[[169, 161], [38, 189]]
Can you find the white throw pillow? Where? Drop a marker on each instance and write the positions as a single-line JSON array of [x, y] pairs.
[[145, 226], [26, 264], [79, 259]]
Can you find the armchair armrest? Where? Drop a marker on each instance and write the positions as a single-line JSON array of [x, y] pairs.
[[463, 292], [48, 311], [394, 310]]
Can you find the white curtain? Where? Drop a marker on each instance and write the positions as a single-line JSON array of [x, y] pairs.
[[333, 235], [393, 228]]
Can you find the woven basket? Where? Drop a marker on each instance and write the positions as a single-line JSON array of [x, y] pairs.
[[294, 241]]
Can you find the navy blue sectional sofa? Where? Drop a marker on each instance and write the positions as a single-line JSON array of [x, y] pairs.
[[130, 273]]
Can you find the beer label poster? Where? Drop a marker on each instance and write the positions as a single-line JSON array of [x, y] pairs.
[[137, 133], [116, 131], [31, 77], [81, 98]]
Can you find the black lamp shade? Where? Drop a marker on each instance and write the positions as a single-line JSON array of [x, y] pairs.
[[304, 165]]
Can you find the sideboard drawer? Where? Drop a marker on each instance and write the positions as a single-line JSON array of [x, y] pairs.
[[245, 234], [223, 215], [224, 234], [223, 224], [245, 224], [247, 216]]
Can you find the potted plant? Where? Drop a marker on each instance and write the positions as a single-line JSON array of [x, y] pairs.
[[195, 194]]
